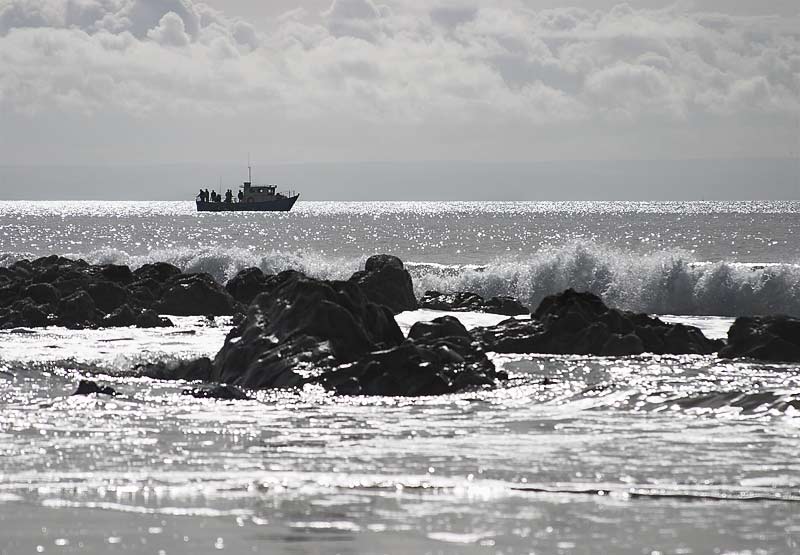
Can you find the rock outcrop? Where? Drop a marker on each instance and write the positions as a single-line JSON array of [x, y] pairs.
[[195, 295], [384, 280], [88, 387], [300, 328], [472, 302], [580, 323], [57, 291], [767, 338], [329, 333], [220, 392], [247, 284], [438, 358]]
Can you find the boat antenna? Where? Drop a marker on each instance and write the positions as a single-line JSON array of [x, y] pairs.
[[249, 170]]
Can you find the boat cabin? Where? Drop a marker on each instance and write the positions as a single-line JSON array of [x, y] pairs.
[[257, 193]]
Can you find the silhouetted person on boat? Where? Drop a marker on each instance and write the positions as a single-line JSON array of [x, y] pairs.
[[228, 196], [240, 196]]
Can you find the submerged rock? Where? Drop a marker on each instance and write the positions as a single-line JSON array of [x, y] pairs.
[[472, 302], [222, 392], [384, 280], [768, 338], [87, 387], [580, 323], [149, 318], [126, 316], [198, 369], [121, 317]]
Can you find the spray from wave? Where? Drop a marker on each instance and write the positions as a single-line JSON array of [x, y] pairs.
[[667, 282]]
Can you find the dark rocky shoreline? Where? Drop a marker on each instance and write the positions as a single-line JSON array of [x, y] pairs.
[[291, 330], [57, 291]]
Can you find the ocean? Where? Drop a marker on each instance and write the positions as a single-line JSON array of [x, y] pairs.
[[632, 455]]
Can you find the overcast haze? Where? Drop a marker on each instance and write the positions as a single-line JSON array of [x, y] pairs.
[[415, 99]]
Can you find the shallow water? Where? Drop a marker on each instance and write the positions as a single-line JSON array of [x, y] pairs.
[[688, 456]]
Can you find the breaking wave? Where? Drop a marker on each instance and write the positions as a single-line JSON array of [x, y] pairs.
[[662, 283], [668, 282]]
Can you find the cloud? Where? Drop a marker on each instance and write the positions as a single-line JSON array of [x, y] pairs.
[[445, 62], [170, 31]]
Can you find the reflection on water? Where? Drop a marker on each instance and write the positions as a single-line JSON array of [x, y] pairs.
[[650, 454]]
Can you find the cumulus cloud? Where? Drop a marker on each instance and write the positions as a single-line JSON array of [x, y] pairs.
[[445, 61], [170, 31]]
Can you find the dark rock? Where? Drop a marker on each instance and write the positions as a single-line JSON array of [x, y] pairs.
[[24, 313], [301, 323], [158, 271], [73, 293], [460, 301], [222, 392], [438, 358], [471, 302], [445, 326], [195, 295], [54, 260], [121, 317], [622, 345], [149, 318], [513, 336], [10, 292], [245, 285], [141, 294], [767, 338], [508, 306], [107, 295], [87, 387], [306, 331], [42, 293], [71, 282], [580, 323], [385, 281], [117, 273], [34, 316], [78, 308], [191, 370], [22, 269]]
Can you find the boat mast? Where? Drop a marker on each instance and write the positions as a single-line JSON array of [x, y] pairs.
[[249, 170]]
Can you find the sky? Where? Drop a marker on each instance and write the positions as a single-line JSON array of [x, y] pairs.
[[146, 97]]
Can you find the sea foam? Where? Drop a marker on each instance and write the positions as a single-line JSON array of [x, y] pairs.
[[665, 282]]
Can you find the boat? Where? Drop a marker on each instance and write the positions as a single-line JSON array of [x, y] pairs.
[[251, 198]]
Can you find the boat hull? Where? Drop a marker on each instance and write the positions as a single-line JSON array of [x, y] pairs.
[[277, 205]]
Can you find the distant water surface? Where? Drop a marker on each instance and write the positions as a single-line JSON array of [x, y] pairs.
[[708, 258]]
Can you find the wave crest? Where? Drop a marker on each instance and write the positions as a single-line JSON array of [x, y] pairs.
[[666, 282]]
